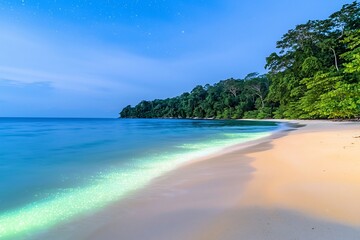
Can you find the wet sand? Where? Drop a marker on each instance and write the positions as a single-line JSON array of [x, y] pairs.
[[305, 185]]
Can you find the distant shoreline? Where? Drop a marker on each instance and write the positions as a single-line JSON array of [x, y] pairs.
[[254, 119]]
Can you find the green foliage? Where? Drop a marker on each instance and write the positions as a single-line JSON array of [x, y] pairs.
[[342, 102], [251, 114], [310, 105], [310, 66], [353, 55], [314, 74], [227, 99], [259, 114]]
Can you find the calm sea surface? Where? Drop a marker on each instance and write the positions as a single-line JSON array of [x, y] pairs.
[[55, 169]]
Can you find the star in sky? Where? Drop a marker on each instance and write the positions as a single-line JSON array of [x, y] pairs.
[[86, 54]]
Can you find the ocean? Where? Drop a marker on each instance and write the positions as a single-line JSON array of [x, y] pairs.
[[53, 170]]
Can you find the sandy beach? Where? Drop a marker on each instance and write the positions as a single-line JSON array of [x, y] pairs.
[[302, 185]]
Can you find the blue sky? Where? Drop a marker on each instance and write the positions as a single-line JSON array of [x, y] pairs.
[[71, 58]]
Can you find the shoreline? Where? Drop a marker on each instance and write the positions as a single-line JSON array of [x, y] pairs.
[[330, 170], [113, 186], [208, 199]]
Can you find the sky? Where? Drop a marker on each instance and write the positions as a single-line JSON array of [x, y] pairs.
[[77, 58]]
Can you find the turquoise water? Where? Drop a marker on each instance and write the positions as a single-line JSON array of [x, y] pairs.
[[54, 170]]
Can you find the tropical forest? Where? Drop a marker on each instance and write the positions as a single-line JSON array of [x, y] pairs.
[[313, 74]]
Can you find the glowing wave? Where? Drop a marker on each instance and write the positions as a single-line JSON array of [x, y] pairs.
[[108, 188]]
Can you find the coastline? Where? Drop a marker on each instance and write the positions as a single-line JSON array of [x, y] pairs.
[[241, 194]]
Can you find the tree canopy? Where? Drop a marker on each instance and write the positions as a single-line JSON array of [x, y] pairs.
[[231, 98]]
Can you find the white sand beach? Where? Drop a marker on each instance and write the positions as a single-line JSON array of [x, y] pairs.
[[304, 185]]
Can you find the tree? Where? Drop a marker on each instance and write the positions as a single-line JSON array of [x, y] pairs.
[[312, 59], [315, 73], [258, 85], [352, 57]]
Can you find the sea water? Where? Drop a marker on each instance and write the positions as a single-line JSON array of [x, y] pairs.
[[53, 170]]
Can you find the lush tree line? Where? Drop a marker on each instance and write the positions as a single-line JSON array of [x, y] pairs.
[[314, 74], [232, 98]]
